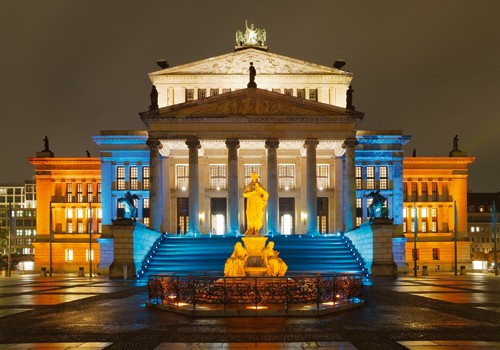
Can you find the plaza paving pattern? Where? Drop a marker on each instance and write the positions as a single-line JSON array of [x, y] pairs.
[[437, 312]]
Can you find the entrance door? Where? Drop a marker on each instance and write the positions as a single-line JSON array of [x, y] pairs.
[[287, 215], [182, 215], [323, 215], [218, 210]]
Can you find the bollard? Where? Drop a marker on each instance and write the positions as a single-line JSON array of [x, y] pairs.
[[462, 271], [43, 272], [125, 272], [81, 272], [425, 271]]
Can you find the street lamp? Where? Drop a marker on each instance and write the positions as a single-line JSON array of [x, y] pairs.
[[11, 227], [90, 239], [50, 240]]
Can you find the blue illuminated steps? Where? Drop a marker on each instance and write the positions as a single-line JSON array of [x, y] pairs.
[[207, 255]]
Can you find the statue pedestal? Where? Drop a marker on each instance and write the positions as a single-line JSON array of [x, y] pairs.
[[254, 246]]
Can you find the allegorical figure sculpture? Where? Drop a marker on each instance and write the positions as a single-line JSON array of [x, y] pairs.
[[154, 99], [46, 144], [375, 209], [455, 143], [256, 196], [235, 265], [252, 36], [275, 266], [252, 73], [348, 102], [130, 210]]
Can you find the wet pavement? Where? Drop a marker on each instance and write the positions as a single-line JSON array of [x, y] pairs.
[[424, 313]]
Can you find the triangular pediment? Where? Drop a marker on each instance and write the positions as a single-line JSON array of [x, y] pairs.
[[253, 102], [238, 62]]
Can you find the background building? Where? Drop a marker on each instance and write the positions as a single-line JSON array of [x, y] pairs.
[[480, 223]]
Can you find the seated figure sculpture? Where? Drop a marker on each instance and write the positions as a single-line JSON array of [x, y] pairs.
[[275, 266], [235, 265]]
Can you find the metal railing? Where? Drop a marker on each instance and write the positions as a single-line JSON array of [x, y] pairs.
[[283, 293]]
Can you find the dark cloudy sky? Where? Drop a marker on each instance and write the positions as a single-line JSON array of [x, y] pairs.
[[72, 68]]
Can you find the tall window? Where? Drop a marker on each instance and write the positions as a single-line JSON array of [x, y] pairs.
[[370, 177], [301, 93], [189, 95], [405, 191], [69, 192], [313, 94], [79, 227], [424, 225], [214, 92], [202, 93], [68, 254], [435, 254], [134, 183], [249, 170], [79, 192], [289, 92], [359, 211], [434, 191], [424, 191], [99, 192], [218, 177], [383, 178], [145, 178], [413, 191], [90, 192], [359, 178], [120, 177], [69, 214], [322, 174], [286, 177], [69, 227], [434, 227], [182, 176]]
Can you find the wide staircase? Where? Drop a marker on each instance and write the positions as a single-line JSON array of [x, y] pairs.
[[207, 255]]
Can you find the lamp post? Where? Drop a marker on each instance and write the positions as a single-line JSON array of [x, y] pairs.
[[9, 254], [495, 256], [415, 228], [50, 240], [90, 240], [455, 262]]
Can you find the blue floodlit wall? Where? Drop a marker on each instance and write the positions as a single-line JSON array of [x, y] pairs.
[[144, 239]]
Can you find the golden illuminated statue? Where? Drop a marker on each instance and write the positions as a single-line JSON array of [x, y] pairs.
[[235, 265], [275, 266], [256, 196]]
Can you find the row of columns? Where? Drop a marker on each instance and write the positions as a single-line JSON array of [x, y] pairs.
[[272, 146]]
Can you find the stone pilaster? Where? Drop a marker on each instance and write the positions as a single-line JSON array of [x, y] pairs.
[[350, 184], [194, 185], [272, 186], [311, 187], [155, 179], [232, 186]]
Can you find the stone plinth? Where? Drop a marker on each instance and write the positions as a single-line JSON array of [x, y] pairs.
[[255, 246]]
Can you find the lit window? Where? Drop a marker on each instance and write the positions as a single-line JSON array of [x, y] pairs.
[[286, 176], [202, 93], [69, 213], [424, 226], [69, 227], [99, 192], [423, 212], [434, 191], [434, 212], [434, 226], [218, 179], [370, 177], [134, 183], [120, 177], [145, 203], [472, 229], [90, 192], [79, 213], [79, 227], [226, 90], [91, 255], [214, 92], [99, 227], [405, 213], [383, 178], [301, 93], [424, 191], [289, 92], [405, 228], [189, 95], [99, 213], [359, 178], [69, 193], [435, 254], [182, 176], [79, 192], [145, 178], [322, 176], [277, 90], [413, 191], [68, 254]]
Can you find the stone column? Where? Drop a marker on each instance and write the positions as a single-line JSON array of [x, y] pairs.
[[311, 187], [272, 186], [350, 184], [232, 186], [194, 185], [155, 180]]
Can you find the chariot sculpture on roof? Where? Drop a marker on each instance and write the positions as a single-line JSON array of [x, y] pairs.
[[252, 36]]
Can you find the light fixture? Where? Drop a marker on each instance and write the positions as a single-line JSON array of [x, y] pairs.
[[257, 307]]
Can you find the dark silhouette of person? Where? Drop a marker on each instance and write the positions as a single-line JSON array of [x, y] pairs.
[[252, 73], [154, 98], [349, 94]]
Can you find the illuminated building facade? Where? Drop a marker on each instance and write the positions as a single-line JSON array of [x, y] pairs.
[[435, 186], [22, 197], [480, 221], [68, 211]]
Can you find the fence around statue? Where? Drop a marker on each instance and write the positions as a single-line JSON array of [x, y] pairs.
[[214, 295]]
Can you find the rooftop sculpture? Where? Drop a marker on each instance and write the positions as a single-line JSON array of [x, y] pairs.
[[252, 36]]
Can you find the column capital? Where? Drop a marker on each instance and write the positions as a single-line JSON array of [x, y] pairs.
[[233, 143], [350, 142], [193, 142], [152, 143], [272, 143], [311, 143]]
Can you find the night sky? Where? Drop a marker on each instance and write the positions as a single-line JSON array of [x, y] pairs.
[[72, 68]]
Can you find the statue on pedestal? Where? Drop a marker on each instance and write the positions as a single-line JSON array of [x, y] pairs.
[[256, 196], [129, 206], [375, 209], [275, 266], [235, 265], [455, 143], [252, 36]]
